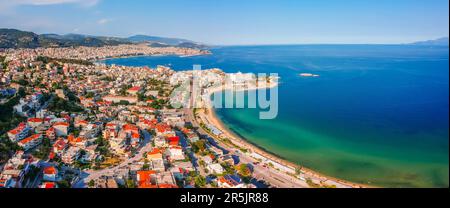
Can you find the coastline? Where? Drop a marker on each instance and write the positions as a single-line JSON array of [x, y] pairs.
[[242, 142], [101, 60]]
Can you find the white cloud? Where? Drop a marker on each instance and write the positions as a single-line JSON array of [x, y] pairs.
[[103, 21], [8, 4]]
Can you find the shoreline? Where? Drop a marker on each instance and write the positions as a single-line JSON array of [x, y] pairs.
[[242, 142], [146, 55]]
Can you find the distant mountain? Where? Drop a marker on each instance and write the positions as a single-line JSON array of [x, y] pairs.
[[165, 42], [12, 38], [146, 38], [436, 42], [85, 40]]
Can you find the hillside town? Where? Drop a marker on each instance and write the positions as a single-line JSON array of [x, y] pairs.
[[70, 122]]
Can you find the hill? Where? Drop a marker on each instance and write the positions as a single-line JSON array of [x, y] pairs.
[[437, 42], [12, 38], [164, 42]]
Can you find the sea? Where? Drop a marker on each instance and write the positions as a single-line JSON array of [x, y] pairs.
[[376, 114]]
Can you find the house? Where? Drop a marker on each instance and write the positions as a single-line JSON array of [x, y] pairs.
[[155, 154], [147, 124], [215, 168], [59, 146], [160, 142], [118, 99], [61, 128], [175, 153], [77, 141], [192, 137], [50, 133], [157, 165], [173, 141], [146, 179], [48, 185], [30, 142], [35, 122], [80, 123], [208, 160], [185, 166], [14, 171], [19, 133], [227, 159], [90, 131], [50, 174], [230, 181], [165, 180], [163, 129], [132, 132], [71, 155], [134, 90]]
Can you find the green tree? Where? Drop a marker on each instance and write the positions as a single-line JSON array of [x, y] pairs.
[[91, 183]]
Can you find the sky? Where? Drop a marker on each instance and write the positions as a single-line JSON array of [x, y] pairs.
[[237, 22]]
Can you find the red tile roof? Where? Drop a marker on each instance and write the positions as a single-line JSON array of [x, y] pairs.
[[61, 124], [173, 140], [144, 179], [49, 185], [35, 120], [18, 129], [50, 170], [136, 88], [31, 138]]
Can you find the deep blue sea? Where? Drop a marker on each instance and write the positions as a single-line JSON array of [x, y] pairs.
[[378, 114]]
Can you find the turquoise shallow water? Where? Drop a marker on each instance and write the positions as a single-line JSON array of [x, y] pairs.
[[378, 114]]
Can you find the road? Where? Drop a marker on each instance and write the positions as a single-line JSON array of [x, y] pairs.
[[89, 175]]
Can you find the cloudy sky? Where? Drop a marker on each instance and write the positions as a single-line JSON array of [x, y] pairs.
[[236, 21]]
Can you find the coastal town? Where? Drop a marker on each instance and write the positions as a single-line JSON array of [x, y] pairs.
[[70, 121]]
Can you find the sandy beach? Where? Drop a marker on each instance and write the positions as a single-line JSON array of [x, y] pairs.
[[243, 143]]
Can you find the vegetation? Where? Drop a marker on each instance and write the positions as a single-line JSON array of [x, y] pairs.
[[200, 181], [243, 170], [8, 119], [91, 183], [11, 38], [63, 184], [199, 146], [47, 60], [229, 170], [312, 184], [103, 146], [43, 151], [7, 148], [59, 105]]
